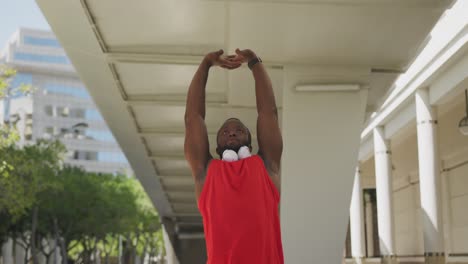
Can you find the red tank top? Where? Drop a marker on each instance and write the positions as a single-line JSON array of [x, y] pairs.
[[239, 205]]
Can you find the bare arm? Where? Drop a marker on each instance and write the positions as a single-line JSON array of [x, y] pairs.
[[196, 147], [268, 132]]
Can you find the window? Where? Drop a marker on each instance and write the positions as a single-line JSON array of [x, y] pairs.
[[37, 41], [117, 157], [85, 155], [49, 130], [19, 80], [41, 58], [63, 111], [28, 132], [48, 109], [91, 155], [77, 113], [93, 114], [79, 92]]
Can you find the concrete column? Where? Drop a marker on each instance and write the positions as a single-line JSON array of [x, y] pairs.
[[321, 136], [369, 225], [171, 257], [356, 221], [383, 174], [7, 252], [429, 179]]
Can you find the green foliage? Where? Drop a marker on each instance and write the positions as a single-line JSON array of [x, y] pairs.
[[6, 76], [26, 172], [8, 136], [86, 211]]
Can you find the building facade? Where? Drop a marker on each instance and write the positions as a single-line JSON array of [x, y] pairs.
[[409, 202], [59, 106]]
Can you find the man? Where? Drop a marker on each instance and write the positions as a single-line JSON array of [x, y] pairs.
[[238, 194]]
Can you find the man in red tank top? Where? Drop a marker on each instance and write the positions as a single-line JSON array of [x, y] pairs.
[[238, 194]]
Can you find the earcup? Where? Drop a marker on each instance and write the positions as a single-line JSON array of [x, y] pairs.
[[244, 152], [230, 155]]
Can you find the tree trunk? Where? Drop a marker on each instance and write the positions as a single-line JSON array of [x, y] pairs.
[[26, 256], [33, 235], [57, 240], [63, 249], [14, 250]]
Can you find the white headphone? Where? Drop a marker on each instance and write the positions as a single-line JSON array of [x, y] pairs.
[[230, 155]]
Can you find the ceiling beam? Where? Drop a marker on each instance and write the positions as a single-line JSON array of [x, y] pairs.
[[177, 132], [196, 215], [179, 188], [157, 58], [188, 181], [190, 223], [168, 157], [170, 176], [182, 200], [167, 57], [192, 203], [198, 235], [363, 3], [174, 99]]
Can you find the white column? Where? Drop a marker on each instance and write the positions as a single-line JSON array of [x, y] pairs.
[[369, 225], [356, 221], [383, 174], [429, 178], [321, 138]]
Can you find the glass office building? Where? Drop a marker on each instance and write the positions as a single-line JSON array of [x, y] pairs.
[[59, 106]]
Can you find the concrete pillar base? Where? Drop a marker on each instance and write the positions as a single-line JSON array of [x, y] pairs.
[[392, 259], [434, 258], [359, 260]]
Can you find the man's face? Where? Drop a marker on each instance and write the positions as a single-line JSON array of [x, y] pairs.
[[232, 135]]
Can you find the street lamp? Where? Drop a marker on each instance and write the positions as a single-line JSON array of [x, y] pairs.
[[78, 127]]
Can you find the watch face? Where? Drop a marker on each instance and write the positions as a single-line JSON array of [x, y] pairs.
[[254, 61]]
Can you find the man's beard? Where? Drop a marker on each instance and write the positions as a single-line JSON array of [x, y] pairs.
[[234, 148]]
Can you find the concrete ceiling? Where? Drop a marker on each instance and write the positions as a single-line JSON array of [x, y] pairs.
[[137, 59]]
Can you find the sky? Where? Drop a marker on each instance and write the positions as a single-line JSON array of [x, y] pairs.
[[19, 13]]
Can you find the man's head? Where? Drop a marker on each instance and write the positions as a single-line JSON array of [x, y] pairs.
[[233, 134]]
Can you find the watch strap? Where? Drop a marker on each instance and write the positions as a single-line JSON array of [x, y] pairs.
[[254, 61]]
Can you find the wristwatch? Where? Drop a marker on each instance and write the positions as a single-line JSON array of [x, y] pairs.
[[254, 61]]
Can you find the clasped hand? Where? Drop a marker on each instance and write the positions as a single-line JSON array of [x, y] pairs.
[[229, 61]]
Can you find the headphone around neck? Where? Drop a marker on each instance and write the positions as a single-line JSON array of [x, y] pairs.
[[230, 155]]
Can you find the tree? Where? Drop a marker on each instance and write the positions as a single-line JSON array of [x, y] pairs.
[[11, 203], [29, 171], [42, 201]]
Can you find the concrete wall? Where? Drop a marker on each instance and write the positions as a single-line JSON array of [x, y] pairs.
[[458, 202], [183, 251]]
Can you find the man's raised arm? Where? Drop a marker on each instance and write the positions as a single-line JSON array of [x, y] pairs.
[[268, 132], [196, 147]]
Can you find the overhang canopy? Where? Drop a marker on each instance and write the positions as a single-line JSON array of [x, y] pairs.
[[137, 59]]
